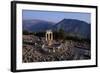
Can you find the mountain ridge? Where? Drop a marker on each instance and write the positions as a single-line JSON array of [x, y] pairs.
[[68, 25]]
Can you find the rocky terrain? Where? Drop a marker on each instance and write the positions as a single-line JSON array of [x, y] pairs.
[[32, 50]]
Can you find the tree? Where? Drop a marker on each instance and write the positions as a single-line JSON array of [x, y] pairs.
[[62, 34], [25, 32]]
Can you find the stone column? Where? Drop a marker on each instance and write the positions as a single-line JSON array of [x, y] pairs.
[[49, 37]]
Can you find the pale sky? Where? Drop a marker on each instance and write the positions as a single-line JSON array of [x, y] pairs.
[[54, 16]]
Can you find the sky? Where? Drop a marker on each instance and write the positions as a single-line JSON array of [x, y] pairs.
[[55, 16]]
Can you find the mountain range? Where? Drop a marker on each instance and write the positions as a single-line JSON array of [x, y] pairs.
[[68, 25], [36, 25]]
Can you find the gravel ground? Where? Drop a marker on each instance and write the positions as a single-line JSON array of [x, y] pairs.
[[32, 52]]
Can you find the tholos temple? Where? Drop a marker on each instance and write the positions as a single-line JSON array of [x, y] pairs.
[[49, 37]]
